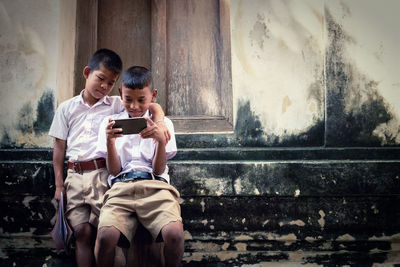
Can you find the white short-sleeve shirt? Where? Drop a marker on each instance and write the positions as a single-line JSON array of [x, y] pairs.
[[134, 152], [78, 124]]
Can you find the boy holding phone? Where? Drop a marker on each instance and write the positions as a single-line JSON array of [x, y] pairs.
[[139, 180], [75, 128]]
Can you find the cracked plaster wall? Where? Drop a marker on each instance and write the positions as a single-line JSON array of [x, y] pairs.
[[28, 66], [294, 77], [289, 62]]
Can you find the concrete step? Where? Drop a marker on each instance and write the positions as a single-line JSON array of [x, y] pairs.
[[241, 206], [187, 152], [217, 178]]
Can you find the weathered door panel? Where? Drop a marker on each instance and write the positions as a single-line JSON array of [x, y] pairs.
[[195, 54]]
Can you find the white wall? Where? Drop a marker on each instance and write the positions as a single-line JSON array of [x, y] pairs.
[[28, 66], [279, 53]]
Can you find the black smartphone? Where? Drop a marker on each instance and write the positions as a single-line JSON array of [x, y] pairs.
[[131, 125]]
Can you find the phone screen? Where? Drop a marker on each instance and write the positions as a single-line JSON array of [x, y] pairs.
[[131, 125]]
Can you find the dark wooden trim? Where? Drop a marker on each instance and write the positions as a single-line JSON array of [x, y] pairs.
[[159, 50], [86, 39], [66, 51], [226, 65]]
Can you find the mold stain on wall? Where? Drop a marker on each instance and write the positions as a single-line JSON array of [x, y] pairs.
[[249, 131], [357, 115], [259, 31], [31, 128], [44, 112]]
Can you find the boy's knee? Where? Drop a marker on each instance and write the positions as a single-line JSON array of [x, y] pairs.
[[108, 236], [83, 232], [173, 233]]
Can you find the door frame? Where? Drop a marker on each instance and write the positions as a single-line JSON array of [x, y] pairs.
[[78, 40]]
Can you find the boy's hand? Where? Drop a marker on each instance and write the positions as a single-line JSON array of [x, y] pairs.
[[163, 128], [112, 133], [153, 131], [57, 194]]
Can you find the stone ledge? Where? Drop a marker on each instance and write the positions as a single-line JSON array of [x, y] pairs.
[[350, 218], [230, 250], [239, 153], [219, 178]]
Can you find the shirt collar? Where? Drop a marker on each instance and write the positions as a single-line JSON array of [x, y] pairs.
[[105, 99]]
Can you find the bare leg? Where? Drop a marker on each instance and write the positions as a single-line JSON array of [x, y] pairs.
[[173, 243], [106, 242], [144, 251], [120, 259], [83, 234]]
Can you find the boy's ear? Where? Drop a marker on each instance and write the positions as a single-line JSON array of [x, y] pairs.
[[86, 71], [154, 95], [120, 91]]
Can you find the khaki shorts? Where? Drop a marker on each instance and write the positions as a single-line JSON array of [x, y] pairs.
[[85, 194], [154, 203]]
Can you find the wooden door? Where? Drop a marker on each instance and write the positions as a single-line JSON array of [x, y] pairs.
[[191, 40], [186, 43]]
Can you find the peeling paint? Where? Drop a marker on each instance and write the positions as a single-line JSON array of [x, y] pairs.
[[321, 221], [202, 203], [297, 222], [243, 238], [241, 246], [345, 237], [287, 239], [297, 192], [310, 239], [395, 238], [207, 246], [187, 235]]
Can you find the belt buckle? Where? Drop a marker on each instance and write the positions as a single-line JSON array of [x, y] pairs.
[[79, 169]]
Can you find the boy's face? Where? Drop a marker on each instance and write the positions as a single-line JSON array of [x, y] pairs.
[[99, 82], [137, 101]]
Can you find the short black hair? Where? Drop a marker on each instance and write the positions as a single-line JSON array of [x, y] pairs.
[[108, 58], [137, 77]]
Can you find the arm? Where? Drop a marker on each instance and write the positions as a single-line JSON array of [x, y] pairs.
[[113, 162], [158, 118], [160, 157], [58, 166]]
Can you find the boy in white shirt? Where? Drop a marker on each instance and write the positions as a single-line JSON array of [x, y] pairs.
[[75, 128], [139, 180]]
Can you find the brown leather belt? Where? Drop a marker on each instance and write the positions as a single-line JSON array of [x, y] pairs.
[[81, 166]]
